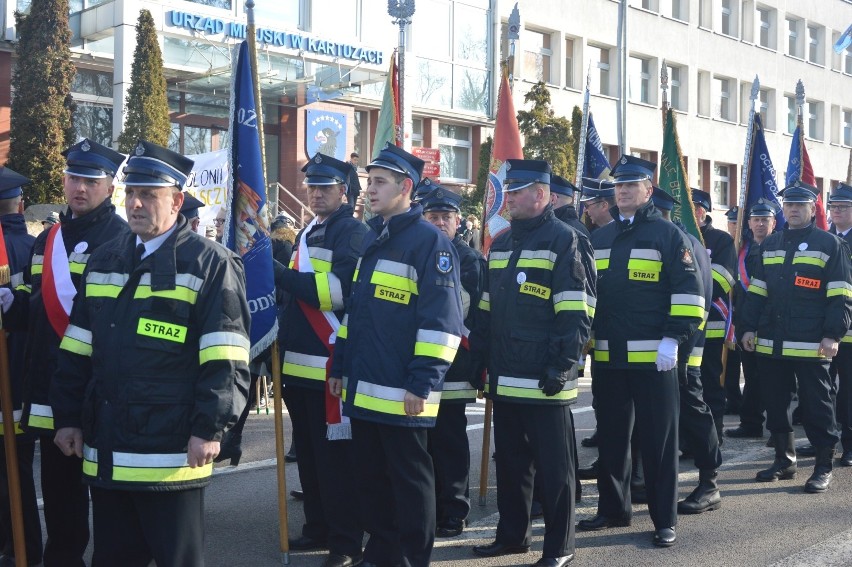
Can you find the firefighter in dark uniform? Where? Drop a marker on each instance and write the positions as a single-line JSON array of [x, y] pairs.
[[316, 283], [43, 305], [650, 299], [152, 368], [761, 223], [697, 429], [535, 323], [18, 247], [840, 209], [448, 443], [798, 308], [723, 257], [401, 331]]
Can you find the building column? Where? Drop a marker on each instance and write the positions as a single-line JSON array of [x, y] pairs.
[[126, 14]]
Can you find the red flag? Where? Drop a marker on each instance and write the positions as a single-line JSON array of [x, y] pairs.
[[507, 145], [808, 177]]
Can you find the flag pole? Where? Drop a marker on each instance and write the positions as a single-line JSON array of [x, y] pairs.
[[800, 121], [283, 532], [664, 86], [755, 91], [584, 132]]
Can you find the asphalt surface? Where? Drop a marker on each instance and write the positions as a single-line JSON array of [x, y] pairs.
[[759, 524]]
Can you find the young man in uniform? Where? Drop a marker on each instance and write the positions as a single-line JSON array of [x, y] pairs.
[[153, 368], [402, 328]]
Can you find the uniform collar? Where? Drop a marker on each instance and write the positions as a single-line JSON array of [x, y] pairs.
[[396, 222], [521, 227], [14, 223], [566, 213]]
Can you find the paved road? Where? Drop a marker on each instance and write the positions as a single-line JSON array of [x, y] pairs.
[[758, 524]]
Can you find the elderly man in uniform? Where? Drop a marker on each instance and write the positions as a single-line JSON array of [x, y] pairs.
[[18, 245], [723, 258], [152, 368], [402, 328], [448, 443], [840, 209], [650, 299], [317, 282], [761, 223], [797, 310], [535, 321], [43, 306]]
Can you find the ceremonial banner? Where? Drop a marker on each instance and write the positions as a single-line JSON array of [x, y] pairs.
[[596, 164], [325, 133], [388, 127], [761, 178], [506, 145], [673, 178], [246, 231], [799, 169]]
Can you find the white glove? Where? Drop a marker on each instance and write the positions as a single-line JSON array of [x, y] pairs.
[[667, 354], [6, 298]]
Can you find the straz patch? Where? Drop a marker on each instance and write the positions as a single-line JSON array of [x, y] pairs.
[[161, 330], [444, 262], [395, 295], [644, 276], [536, 290], [809, 283]]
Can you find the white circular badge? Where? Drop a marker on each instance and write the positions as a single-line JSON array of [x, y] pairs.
[[81, 247], [522, 277], [803, 246]]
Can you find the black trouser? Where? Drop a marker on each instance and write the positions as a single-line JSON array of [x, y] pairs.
[[450, 452], [732, 379], [535, 438], [396, 484], [25, 449], [652, 399], [330, 501], [696, 422], [843, 364], [816, 391], [66, 506], [752, 406], [132, 528], [711, 373]]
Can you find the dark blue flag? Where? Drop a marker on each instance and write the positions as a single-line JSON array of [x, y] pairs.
[[246, 228], [596, 165], [761, 179]]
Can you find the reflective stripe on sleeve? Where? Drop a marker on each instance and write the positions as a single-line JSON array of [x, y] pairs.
[[304, 365], [77, 340], [41, 416], [384, 399], [343, 331], [687, 305], [436, 344], [223, 345], [722, 277], [836, 288], [601, 351], [570, 301], [528, 388], [602, 258], [642, 351], [758, 287], [485, 301]]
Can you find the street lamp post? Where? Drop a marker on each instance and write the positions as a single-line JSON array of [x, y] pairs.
[[401, 11]]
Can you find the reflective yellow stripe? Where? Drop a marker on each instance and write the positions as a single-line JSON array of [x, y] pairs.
[[16, 414], [436, 344], [834, 289], [527, 388], [320, 265], [343, 331], [601, 352], [800, 349], [100, 284], [721, 279], [498, 260], [772, 257], [687, 305], [77, 340], [223, 345], [758, 287], [304, 365], [41, 416], [542, 259], [602, 259], [36, 264], [395, 275], [485, 301], [186, 288], [695, 356], [323, 291], [457, 391], [642, 351], [813, 258], [384, 399], [147, 468], [644, 265], [715, 329], [847, 338], [764, 346], [570, 301]]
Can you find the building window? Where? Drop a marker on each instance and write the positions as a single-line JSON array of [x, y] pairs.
[[455, 146], [640, 80], [93, 121], [725, 100], [766, 108], [600, 80], [815, 48], [569, 63], [794, 39], [721, 184], [680, 10], [703, 93], [650, 5], [847, 127], [815, 119], [705, 16], [766, 21], [362, 135], [677, 87], [537, 53], [792, 113], [417, 132], [729, 18], [847, 60]]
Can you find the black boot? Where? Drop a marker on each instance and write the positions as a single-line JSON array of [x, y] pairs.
[[821, 478], [588, 473], [705, 497], [784, 466]]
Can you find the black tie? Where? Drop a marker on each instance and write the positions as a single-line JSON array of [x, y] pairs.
[[137, 256]]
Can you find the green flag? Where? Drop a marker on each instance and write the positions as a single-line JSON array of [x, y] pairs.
[[387, 128], [673, 178]]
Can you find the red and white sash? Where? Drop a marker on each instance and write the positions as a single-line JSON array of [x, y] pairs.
[[57, 289], [325, 325]]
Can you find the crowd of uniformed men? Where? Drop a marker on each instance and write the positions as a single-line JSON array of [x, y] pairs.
[[130, 359]]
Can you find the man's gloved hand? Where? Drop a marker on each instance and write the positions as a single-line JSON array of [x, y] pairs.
[[6, 298], [554, 381], [477, 379], [667, 354]]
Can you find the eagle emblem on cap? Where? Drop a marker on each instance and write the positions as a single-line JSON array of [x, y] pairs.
[[318, 159], [623, 160], [140, 149], [85, 146], [439, 193], [427, 181]]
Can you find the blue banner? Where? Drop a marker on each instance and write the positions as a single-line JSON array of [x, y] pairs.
[[596, 166], [246, 228], [325, 133], [761, 179]]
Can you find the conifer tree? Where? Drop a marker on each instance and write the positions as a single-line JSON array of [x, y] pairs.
[[147, 105], [547, 136], [41, 108]]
